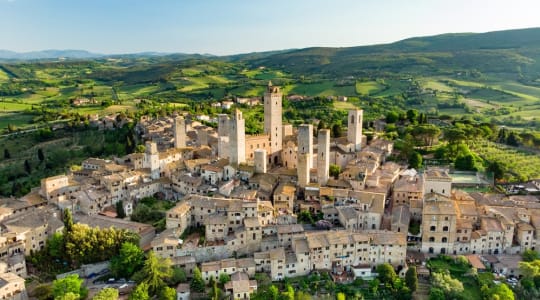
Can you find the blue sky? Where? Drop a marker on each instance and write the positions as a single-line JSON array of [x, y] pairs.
[[234, 26]]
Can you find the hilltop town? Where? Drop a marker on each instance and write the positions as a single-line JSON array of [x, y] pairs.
[[270, 203]]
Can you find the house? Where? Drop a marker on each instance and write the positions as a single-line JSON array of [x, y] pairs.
[[183, 291], [12, 287], [240, 287]]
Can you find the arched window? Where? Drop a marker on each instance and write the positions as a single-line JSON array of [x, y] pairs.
[[445, 228], [432, 239], [444, 239], [432, 228], [352, 119]]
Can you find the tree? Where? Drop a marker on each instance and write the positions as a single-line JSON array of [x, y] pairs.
[[273, 292], [178, 275], [436, 294], [336, 130], [120, 212], [411, 278], [140, 292], [497, 169], [289, 293], [415, 160], [197, 283], [68, 222], [335, 170], [155, 271], [447, 284], [27, 167], [216, 292], [167, 293], [40, 155], [106, 294], [43, 291], [502, 292], [465, 162], [69, 284], [224, 278], [340, 296], [392, 117], [55, 245], [530, 255], [7, 155], [129, 260], [412, 115], [68, 296], [386, 273]]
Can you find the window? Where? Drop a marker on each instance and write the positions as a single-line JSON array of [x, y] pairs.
[[444, 239], [432, 239], [432, 228], [445, 228]]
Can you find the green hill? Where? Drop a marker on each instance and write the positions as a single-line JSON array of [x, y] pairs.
[[510, 51]]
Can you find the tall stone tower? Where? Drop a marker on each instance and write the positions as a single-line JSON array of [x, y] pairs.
[[354, 128], [152, 159], [303, 170], [323, 156], [179, 128], [223, 136], [305, 142], [260, 161], [272, 121], [237, 136]]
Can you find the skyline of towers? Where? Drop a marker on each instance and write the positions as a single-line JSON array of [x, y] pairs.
[[273, 121]]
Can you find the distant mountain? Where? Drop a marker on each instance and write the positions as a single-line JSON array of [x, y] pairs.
[[499, 51], [47, 54]]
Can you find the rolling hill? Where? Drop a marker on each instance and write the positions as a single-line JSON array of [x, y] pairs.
[[509, 51]]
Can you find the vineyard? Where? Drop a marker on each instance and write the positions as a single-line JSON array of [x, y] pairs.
[[518, 165]]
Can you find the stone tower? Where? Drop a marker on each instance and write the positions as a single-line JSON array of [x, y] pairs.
[[272, 121], [354, 128], [302, 169], [179, 129], [223, 136], [323, 156], [237, 138], [260, 161], [152, 159], [305, 142]]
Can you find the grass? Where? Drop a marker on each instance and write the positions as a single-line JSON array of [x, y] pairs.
[[17, 119], [321, 89], [3, 76], [343, 105], [435, 85], [368, 87]]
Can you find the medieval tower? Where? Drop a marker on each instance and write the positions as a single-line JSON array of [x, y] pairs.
[[179, 128], [323, 156], [237, 134], [354, 128], [305, 142], [223, 136], [272, 121], [260, 161], [151, 158]]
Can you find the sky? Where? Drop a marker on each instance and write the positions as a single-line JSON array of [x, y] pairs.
[[223, 27]]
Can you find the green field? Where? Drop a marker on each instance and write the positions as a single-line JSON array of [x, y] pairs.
[[368, 87]]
